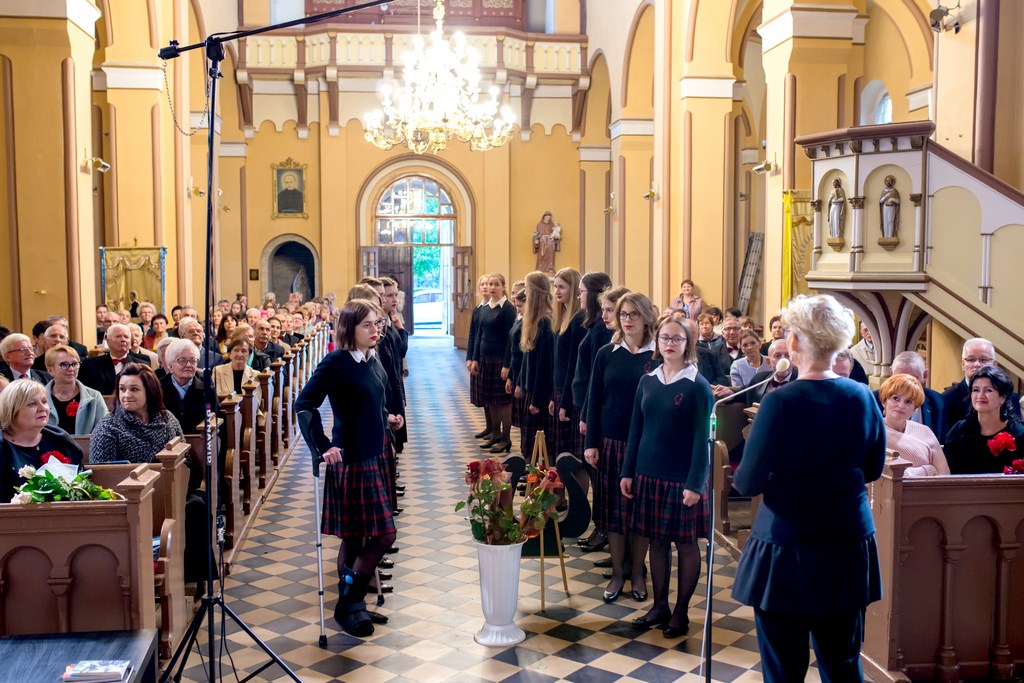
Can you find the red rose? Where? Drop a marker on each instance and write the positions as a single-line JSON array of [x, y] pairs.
[[1003, 441], [72, 409], [45, 457]]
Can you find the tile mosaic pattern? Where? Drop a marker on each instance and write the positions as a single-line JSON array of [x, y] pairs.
[[435, 609]]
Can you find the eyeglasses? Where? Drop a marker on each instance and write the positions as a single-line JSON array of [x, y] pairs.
[[631, 315], [979, 361], [69, 365], [26, 350], [671, 341], [187, 362]]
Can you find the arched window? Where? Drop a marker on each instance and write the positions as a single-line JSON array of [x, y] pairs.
[[416, 211], [883, 112]]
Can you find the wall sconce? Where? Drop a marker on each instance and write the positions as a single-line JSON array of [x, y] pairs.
[[652, 193], [194, 190]]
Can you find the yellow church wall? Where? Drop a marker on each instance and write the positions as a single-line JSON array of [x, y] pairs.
[[955, 64], [956, 249], [567, 16], [887, 61], [7, 272], [944, 356], [1009, 148], [608, 30], [1006, 248]]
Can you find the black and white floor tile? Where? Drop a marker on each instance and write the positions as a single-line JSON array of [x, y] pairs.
[[435, 609]]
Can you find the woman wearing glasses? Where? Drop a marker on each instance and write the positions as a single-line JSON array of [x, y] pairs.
[[74, 407], [618, 368], [666, 470]]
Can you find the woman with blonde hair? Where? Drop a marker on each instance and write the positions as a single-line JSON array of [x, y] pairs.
[[494, 322], [569, 332], [537, 341], [817, 441], [483, 288]]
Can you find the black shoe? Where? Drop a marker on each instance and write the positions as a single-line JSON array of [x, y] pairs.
[[611, 596], [481, 435], [385, 563], [601, 544], [393, 550], [384, 576], [647, 621], [676, 631], [603, 564], [400, 488], [637, 595], [607, 574], [384, 588], [397, 511], [500, 447], [399, 494], [378, 618], [486, 445]]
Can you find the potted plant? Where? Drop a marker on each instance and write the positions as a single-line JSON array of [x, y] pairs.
[[500, 531]]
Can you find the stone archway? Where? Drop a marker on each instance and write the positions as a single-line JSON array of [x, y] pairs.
[[290, 263]]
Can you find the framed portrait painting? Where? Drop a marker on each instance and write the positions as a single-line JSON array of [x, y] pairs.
[[289, 189]]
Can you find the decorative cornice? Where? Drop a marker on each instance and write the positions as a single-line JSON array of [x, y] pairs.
[[127, 77], [81, 13], [622, 127], [916, 199], [603, 154], [810, 21], [233, 148], [857, 202], [197, 120], [816, 205], [706, 86]]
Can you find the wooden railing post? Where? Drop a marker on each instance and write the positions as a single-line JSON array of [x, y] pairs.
[[138, 492], [249, 444], [268, 435], [286, 382], [232, 469]]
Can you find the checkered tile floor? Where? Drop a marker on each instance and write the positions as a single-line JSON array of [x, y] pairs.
[[435, 609]]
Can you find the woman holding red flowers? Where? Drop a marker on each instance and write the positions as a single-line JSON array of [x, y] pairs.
[[27, 438], [74, 407], [989, 439]]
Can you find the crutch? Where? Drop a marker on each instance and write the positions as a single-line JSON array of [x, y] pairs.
[[316, 457]]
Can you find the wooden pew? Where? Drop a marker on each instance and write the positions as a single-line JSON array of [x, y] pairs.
[[169, 525], [232, 472], [79, 566], [270, 400], [287, 399], [952, 573], [249, 413]]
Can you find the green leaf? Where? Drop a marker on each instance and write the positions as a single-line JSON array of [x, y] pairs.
[[461, 504]]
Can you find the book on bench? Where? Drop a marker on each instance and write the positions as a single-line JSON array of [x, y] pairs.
[[99, 671]]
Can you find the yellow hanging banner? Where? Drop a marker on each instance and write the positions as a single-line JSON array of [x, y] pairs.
[[787, 247]]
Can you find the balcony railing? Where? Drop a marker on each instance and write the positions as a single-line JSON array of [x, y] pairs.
[[494, 13]]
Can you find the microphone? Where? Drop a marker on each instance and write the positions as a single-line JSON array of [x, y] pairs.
[[780, 367]]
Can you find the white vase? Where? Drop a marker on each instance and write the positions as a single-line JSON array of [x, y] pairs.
[[499, 594]]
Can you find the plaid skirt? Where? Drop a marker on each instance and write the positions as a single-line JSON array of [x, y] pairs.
[[518, 408], [357, 499], [491, 387], [474, 389], [576, 418], [658, 511], [565, 434], [611, 508], [531, 425]]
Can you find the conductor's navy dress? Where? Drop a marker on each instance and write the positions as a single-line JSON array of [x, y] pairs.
[[811, 565]]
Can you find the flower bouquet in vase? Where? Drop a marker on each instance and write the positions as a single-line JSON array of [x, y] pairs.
[[500, 530]]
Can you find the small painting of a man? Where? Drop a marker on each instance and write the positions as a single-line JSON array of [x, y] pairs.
[[290, 198]]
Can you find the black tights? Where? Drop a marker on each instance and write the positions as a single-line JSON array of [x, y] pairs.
[[498, 420], [661, 575], [362, 555], [618, 544]]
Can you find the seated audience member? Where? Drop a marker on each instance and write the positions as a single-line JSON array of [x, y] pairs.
[[716, 318], [931, 412], [251, 316], [901, 395], [236, 310], [74, 407], [981, 442], [61, 333], [124, 316], [956, 401], [276, 329], [191, 329], [776, 352], [776, 330], [4, 382], [843, 363], [257, 360], [146, 312], [216, 316], [19, 354], [38, 334], [101, 319], [864, 350], [227, 326], [183, 389], [224, 306], [100, 372], [706, 337], [745, 367], [725, 354], [746, 324], [137, 348], [688, 300], [231, 376], [140, 426], [28, 439], [161, 348], [172, 326], [157, 332], [264, 345]]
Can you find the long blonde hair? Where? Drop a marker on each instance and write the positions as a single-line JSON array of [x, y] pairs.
[[538, 305], [564, 312]]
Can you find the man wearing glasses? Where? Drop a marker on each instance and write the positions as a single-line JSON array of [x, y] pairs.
[[957, 399], [19, 355], [184, 391], [101, 372]]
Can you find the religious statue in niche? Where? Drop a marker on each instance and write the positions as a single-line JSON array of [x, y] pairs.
[[836, 215], [547, 239], [889, 207]]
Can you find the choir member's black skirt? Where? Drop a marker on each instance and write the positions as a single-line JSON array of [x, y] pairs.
[[490, 385], [531, 425], [357, 498], [474, 389], [564, 433], [658, 511], [518, 408], [611, 508]]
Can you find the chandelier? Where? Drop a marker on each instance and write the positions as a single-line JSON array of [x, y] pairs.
[[439, 99]]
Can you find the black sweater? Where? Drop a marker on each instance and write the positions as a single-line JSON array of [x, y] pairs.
[[538, 366], [513, 354], [613, 383], [493, 325], [668, 436], [567, 349], [358, 393], [967, 448], [474, 332], [597, 336]]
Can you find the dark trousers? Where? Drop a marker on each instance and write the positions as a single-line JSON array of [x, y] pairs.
[[782, 640]]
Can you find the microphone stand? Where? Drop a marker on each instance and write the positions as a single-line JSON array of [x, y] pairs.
[[783, 366], [214, 48]]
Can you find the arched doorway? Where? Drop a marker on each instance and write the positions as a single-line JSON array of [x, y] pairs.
[[288, 264]]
